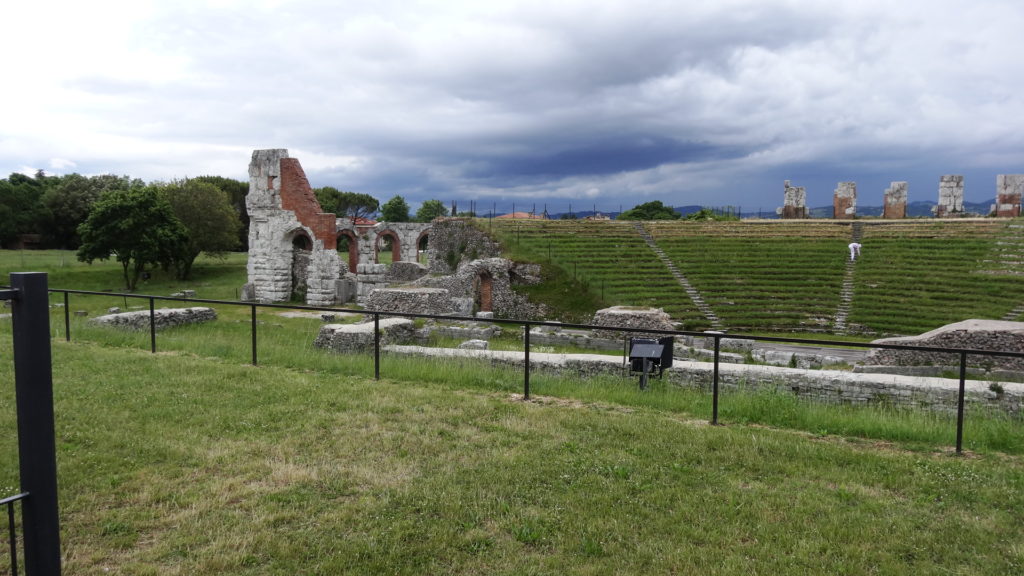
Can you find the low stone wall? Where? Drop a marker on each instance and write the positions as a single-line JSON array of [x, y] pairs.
[[405, 272], [631, 317], [830, 386], [162, 318], [466, 330], [410, 300], [972, 334], [360, 337]]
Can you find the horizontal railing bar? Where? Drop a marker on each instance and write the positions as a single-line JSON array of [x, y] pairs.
[[14, 498], [780, 339]]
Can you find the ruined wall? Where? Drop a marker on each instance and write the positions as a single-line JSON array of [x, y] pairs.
[[895, 201], [970, 334], [1009, 188], [453, 240], [281, 206], [465, 284], [794, 202], [951, 196], [844, 201], [631, 317]]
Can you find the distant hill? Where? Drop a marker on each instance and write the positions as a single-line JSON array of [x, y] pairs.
[[920, 209]]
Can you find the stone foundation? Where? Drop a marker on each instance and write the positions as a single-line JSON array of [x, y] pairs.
[[344, 338], [162, 318], [631, 317], [971, 334], [410, 300]]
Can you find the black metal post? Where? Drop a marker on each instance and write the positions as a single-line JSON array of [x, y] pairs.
[[376, 346], [152, 327], [33, 380], [253, 334], [13, 537], [714, 384], [526, 362], [67, 319], [960, 404]]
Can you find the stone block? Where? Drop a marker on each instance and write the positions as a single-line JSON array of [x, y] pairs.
[[162, 318], [344, 338], [474, 345]]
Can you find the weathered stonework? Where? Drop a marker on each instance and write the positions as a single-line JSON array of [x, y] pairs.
[[794, 202], [844, 201], [488, 282], [1009, 188], [410, 300], [631, 317], [162, 318], [291, 241], [972, 334], [895, 201], [405, 272], [453, 240], [360, 337], [951, 196]]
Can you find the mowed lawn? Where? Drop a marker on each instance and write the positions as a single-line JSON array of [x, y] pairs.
[[176, 463]]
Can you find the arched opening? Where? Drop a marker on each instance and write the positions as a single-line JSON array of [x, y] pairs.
[[482, 292], [388, 241], [302, 253], [347, 241], [422, 246]]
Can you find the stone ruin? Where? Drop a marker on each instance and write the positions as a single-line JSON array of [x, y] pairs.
[[298, 252], [794, 202], [895, 201], [951, 196], [162, 318], [1009, 188], [971, 334], [631, 317], [844, 201]]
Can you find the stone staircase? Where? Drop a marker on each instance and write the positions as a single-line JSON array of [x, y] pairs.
[[839, 325], [1011, 261], [693, 293]]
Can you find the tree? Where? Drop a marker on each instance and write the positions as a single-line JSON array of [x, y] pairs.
[[209, 219], [137, 227], [346, 204], [654, 210], [21, 207], [236, 190], [395, 210], [69, 199], [429, 210]]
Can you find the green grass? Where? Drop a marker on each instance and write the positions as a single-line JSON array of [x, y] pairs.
[[190, 461], [183, 464]]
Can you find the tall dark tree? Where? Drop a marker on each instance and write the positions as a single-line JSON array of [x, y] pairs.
[[209, 218], [69, 198], [654, 210], [395, 210], [431, 209], [137, 227], [236, 191], [21, 208]]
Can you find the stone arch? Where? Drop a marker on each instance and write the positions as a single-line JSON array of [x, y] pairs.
[[302, 254], [423, 246], [396, 245], [483, 289], [349, 238]]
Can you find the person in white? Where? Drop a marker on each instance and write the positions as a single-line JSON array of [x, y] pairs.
[[854, 250]]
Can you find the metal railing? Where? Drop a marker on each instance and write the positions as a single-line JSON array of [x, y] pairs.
[[12, 533], [963, 353]]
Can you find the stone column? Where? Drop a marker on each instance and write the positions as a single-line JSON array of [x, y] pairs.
[[951, 196], [895, 204], [1009, 188], [794, 202], [844, 202]]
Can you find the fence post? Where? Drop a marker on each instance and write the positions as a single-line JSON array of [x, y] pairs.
[[714, 385], [960, 403], [376, 346], [152, 327], [254, 334], [526, 362], [67, 319], [33, 381]]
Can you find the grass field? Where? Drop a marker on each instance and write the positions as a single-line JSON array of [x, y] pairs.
[[190, 461]]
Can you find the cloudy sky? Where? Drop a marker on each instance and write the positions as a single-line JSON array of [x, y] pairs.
[[551, 102]]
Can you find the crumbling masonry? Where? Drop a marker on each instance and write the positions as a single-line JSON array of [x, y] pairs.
[[895, 204], [844, 201]]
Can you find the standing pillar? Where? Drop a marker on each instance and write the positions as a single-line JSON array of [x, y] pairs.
[[1009, 188], [951, 196], [844, 202], [895, 204], [794, 202]]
